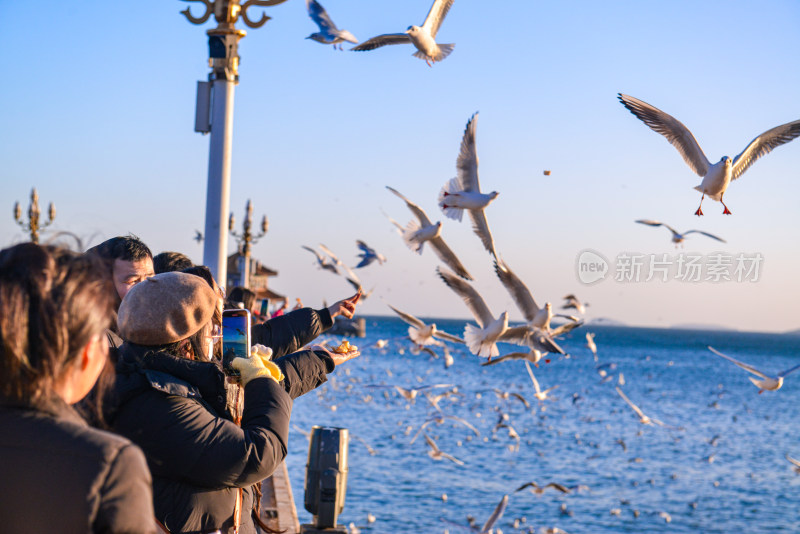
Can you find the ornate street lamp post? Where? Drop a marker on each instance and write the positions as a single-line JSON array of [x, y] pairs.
[[33, 226], [215, 115], [245, 239]]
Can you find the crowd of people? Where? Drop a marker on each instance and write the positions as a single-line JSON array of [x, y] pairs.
[[116, 414]]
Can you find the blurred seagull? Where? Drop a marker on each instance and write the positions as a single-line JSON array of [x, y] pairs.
[[539, 394], [464, 191], [438, 454], [349, 275], [368, 255], [533, 356], [198, 236], [642, 417], [591, 345], [440, 419], [422, 37], [716, 177], [534, 487], [424, 334], [417, 234], [766, 382], [572, 302], [328, 32], [481, 340], [322, 261], [678, 237], [794, 462]]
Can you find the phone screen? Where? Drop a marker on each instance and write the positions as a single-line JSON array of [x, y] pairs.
[[235, 336], [264, 307]]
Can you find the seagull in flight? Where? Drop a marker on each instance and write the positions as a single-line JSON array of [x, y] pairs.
[[417, 233], [534, 487], [718, 176], [794, 462], [368, 255], [438, 454], [540, 395], [481, 340], [642, 417], [464, 191], [590, 344], [424, 334], [349, 274], [198, 236], [422, 37], [764, 382], [535, 316], [328, 32], [678, 237], [572, 302], [533, 356], [322, 261]]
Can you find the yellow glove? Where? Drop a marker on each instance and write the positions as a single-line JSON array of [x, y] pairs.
[[257, 365]]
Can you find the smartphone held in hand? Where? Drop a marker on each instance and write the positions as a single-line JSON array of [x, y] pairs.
[[235, 337]]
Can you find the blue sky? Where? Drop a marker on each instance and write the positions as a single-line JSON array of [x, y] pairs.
[[99, 110]]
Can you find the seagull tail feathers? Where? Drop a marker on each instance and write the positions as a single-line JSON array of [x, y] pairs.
[[347, 36], [716, 197], [452, 186], [408, 237], [443, 50], [476, 342]]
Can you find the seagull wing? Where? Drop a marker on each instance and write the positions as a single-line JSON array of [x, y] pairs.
[[743, 365], [518, 335], [448, 337], [436, 15], [449, 257], [712, 236], [763, 145], [319, 257], [649, 222], [792, 460], [321, 17], [431, 443], [352, 277], [467, 162], [498, 511], [517, 289], [463, 422], [508, 357], [559, 487], [676, 133], [566, 327], [522, 399], [631, 404], [396, 224], [533, 378], [451, 458], [471, 298], [408, 318], [786, 372], [366, 249], [333, 256], [416, 210], [481, 228], [527, 485], [383, 40]]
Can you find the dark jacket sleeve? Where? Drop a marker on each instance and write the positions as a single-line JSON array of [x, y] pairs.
[[291, 331], [304, 371], [184, 440], [126, 503]]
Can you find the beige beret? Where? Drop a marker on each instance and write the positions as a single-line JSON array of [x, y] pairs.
[[166, 308]]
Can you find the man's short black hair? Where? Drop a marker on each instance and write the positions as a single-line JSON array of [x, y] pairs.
[[125, 248], [167, 262]]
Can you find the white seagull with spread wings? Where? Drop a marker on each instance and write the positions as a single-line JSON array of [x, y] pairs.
[[764, 382], [423, 37], [328, 32], [417, 233], [424, 334], [464, 191], [481, 340], [716, 177]]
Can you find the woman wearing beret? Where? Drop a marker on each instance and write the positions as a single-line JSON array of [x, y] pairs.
[[173, 402], [58, 474]]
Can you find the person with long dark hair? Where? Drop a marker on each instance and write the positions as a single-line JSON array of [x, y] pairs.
[[57, 473]]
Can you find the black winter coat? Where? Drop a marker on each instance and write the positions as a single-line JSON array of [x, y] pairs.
[[57, 474], [288, 332], [177, 411]]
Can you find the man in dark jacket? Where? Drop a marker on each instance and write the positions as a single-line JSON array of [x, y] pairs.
[[173, 403]]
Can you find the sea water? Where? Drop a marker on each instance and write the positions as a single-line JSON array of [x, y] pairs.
[[717, 466]]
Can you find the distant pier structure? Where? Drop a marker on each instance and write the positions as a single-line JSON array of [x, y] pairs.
[[355, 327]]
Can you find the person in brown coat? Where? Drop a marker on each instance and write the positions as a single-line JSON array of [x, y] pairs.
[[57, 473]]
